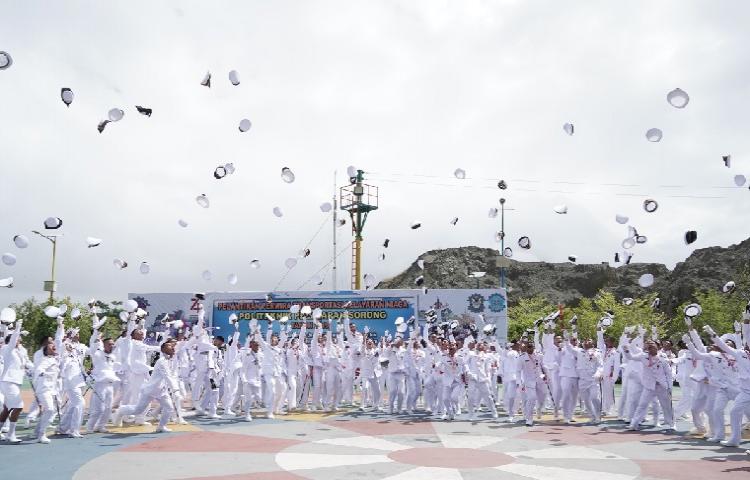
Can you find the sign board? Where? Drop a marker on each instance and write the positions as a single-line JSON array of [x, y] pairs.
[[377, 309]]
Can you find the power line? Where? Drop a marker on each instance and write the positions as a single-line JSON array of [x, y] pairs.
[[529, 180], [320, 229], [566, 192], [324, 267]]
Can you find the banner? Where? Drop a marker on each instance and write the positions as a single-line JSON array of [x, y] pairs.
[[376, 309]]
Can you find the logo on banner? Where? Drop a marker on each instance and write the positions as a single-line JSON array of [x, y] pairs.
[[476, 303], [496, 302]]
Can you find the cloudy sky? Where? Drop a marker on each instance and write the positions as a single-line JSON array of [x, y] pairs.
[[408, 91]]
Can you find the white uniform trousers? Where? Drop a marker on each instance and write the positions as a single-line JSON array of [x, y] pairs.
[[100, 406]]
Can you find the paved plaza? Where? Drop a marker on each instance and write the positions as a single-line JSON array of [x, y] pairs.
[[355, 445]]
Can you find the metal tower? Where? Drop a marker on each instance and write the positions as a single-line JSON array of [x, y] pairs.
[[359, 200]]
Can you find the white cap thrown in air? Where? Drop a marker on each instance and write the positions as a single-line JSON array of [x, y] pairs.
[[53, 223], [115, 115], [678, 98], [653, 135], [9, 259], [21, 241], [287, 175], [646, 280], [234, 77], [92, 242], [202, 200]]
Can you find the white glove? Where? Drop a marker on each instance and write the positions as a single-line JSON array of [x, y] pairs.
[[641, 330], [60, 320], [709, 330], [688, 322], [366, 330], [737, 327], [653, 329]]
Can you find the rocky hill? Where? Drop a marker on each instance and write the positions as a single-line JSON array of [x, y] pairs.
[[704, 269]]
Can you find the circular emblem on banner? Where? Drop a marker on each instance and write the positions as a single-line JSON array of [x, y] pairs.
[[476, 303], [496, 302]]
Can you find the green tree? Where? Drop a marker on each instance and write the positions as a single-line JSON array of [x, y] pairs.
[[720, 310], [40, 326], [590, 311], [528, 310]]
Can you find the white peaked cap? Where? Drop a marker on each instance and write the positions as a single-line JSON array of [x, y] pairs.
[[653, 135], [646, 280], [130, 305], [21, 241], [287, 175], [678, 98], [92, 242], [52, 223], [202, 200], [115, 115], [9, 259], [7, 315], [234, 77]]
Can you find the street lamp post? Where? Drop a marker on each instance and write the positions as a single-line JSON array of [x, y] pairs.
[[50, 286]]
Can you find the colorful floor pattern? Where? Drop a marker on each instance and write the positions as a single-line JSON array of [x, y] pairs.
[[356, 445]]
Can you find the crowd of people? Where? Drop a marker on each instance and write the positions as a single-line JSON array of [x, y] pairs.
[[421, 370]]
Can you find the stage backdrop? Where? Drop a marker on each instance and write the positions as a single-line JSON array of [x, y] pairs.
[[378, 309]]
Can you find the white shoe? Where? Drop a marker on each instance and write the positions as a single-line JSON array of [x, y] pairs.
[[270, 415], [14, 439], [697, 431], [248, 418], [229, 413], [714, 440], [76, 435], [43, 439], [144, 423], [117, 420], [529, 424], [444, 417], [214, 415], [103, 430], [182, 421], [163, 429], [728, 443], [494, 415]]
